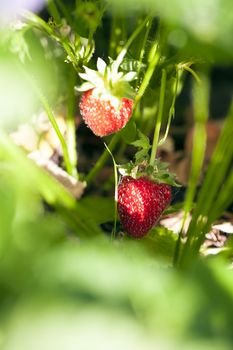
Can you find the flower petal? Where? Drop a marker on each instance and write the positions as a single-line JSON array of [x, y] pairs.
[[101, 66]]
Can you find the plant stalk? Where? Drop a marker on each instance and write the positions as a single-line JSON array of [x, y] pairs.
[[142, 52], [200, 105], [194, 74], [55, 126], [71, 134], [123, 52], [149, 73], [103, 158], [171, 113], [159, 118], [113, 235], [51, 117], [54, 11], [64, 11]]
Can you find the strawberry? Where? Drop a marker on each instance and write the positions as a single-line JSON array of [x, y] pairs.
[[141, 201], [106, 104], [101, 116]]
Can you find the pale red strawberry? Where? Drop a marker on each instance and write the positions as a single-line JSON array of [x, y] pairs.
[[101, 116], [140, 204], [107, 101]]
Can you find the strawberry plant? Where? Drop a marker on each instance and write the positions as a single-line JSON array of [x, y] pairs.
[[114, 182]]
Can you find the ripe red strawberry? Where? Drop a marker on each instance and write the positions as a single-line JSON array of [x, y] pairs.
[[140, 203], [106, 104], [101, 115]]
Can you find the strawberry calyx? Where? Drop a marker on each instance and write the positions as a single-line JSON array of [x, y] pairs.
[[157, 172], [107, 82]]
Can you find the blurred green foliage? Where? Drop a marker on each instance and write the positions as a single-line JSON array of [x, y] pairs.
[[95, 294], [199, 28]]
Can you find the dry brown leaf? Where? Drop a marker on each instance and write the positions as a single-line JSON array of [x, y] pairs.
[[174, 222], [225, 227], [26, 137]]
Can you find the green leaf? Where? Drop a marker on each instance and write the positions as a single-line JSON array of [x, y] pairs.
[[132, 65], [126, 169], [161, 165], [198, 27], [143, 141], [44, 185], [161, 242], [141, 155], [100, 209], [128, 133]]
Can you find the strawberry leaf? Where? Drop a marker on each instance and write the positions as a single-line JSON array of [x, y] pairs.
[[126, 169], [128, 132], [122, 89], [129, 65], [141, 156], [161, 165], [164, 176], [143, 141]]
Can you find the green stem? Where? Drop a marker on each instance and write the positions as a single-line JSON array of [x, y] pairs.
[[113, 235], [123, 52], [159, 118], [171, 113], [115, 202], [177, 249], [118, 35], [142, 51], [54, 11], [70, 53], [103, 158], [55, 126], [150, 70], [37, 22], [64, 11], [40, 24], [71, 136], [194, 74], [89, 46], [51, 118], [200, 106], [53, 121]]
